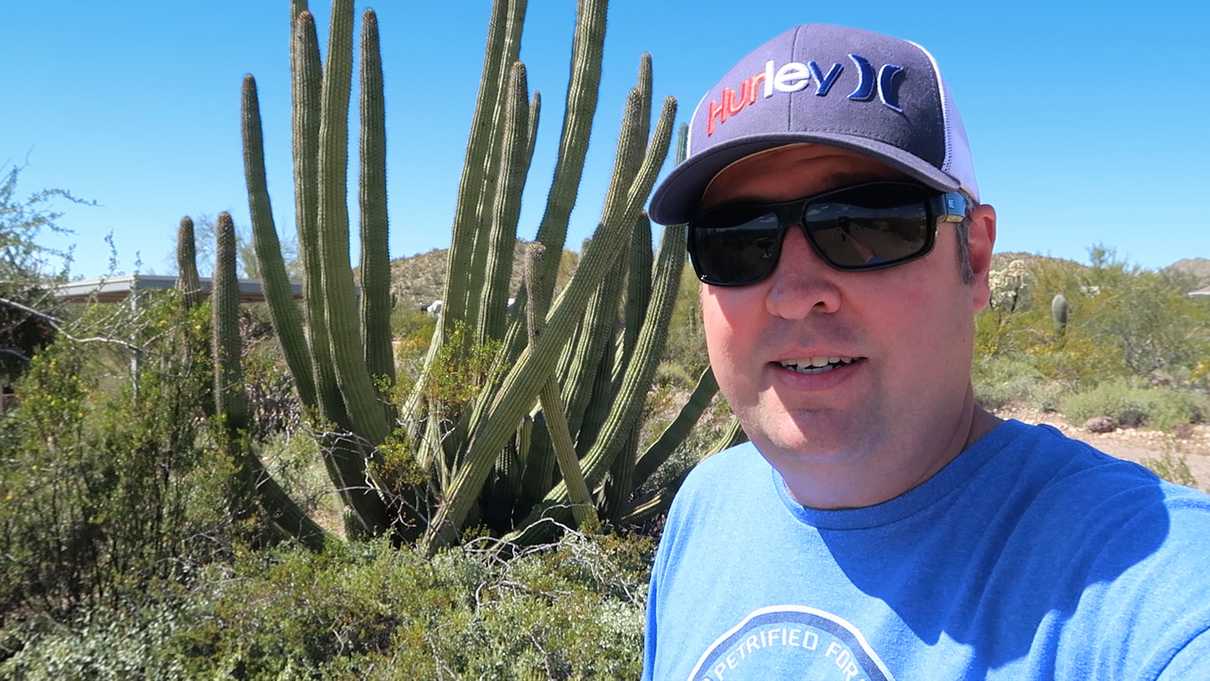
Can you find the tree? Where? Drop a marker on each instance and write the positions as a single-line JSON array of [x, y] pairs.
[[28, 268]]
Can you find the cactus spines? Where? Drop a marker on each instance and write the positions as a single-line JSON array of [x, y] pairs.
[[644, 87], [638, 293], [1058, 313], [306, 79], [628, 403], [552, 409], [598, 323], [342, 456], [187, 280], [588, 47], [535, 114], [495, 165]]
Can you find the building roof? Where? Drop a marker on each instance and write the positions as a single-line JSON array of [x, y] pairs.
[[117, 289]]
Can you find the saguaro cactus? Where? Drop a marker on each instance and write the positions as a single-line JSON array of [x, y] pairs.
[[1058, 313]]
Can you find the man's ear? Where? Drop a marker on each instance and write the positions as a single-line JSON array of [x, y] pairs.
[[981, 238]]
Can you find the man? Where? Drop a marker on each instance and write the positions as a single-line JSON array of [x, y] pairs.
[[880, 524]]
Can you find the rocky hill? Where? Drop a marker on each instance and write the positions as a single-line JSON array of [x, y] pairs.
[[1000, 260], [1199, 268], [420, 279]]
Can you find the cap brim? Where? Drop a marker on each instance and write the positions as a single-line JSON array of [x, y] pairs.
[[677, 196]]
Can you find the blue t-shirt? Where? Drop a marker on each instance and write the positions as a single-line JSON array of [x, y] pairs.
[[1029, 556]]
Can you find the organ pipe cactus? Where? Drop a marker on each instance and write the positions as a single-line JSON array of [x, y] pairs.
[[231, 398], [375, 263], [519, 424], [188, 281], [190, 285]]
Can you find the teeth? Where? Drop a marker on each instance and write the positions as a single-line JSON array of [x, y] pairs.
[[816, 364]]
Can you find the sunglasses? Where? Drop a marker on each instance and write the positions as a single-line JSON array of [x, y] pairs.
[[864, 227]]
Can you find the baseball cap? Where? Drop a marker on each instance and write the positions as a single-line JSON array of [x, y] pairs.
[[845, 87]]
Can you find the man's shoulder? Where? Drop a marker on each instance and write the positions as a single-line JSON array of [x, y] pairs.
[[719, 480], [741, 466], [740, 458], [1068, 464], [1106, 508]]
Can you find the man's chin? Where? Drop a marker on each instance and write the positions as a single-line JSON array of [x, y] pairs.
[[819, 442]]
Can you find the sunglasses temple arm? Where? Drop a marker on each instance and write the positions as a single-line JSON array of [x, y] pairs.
[[950, 207]]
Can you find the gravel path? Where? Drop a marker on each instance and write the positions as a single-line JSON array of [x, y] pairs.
[[1134, 444]]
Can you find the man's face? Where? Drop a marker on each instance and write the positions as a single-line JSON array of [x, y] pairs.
[[908, 327]]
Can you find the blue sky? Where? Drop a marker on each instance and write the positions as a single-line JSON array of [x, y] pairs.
[[1088, 125]]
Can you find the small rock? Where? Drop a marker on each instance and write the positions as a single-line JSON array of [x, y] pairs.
[[1101, 424]]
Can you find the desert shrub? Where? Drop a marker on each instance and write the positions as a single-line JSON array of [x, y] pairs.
[[111, 644], [705, 435], [295, 461], [1133, 404], [107, 488], [1147, 316], [1002, 381], [407, 322], [1173, 468], [686, 344], [273, 406], [574, 610], [460, 367], [674, 375], [28, 269], [1124, 322]]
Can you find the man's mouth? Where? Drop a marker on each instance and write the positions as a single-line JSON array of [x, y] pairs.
[[817, 365]]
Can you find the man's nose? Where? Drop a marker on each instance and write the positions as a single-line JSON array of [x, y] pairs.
[[802, 283]]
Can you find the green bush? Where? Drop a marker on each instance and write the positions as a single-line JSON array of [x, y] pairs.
[[1002, 381], [1123, 322], [111, 644], [1173, 468], [1134, 405], [296, 462], [686, 344], [107, 487], [372, 611]]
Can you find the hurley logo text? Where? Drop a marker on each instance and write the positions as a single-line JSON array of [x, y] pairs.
[[794, 76]]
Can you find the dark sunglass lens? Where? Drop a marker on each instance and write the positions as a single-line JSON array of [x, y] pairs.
[[870, 226], [735, 245]]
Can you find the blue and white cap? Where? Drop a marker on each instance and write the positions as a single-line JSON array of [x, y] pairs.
[[844, 87]]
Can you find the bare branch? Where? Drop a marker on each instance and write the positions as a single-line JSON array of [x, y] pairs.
[[18, 355], [58, 326]]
